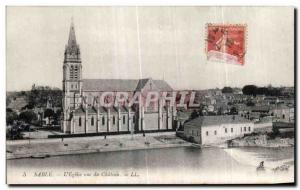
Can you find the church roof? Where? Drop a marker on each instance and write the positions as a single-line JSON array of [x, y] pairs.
[[141, 84], [108, 85], [92, 109], [204, 121], [113, 109], [121, 84], [102, 109], [123, 109], [79, 110], [162, 85]]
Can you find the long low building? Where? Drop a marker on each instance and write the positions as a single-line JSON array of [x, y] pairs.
[[207, 130]]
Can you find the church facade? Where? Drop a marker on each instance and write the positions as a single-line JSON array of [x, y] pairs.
[[83, 113]]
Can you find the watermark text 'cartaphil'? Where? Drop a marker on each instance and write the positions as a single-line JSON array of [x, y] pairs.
[[145, 99]]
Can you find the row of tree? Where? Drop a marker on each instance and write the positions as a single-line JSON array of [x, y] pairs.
[[254, 90], [39, 95], [27, 116], [227, 89], [30, 117]]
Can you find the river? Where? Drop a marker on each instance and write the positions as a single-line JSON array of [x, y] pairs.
[[169, 165]]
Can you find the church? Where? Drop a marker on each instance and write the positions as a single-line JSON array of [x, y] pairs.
[[83, 114]]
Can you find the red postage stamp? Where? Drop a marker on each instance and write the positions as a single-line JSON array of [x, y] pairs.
[[226, 43]]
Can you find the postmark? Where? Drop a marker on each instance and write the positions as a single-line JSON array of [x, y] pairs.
[[226, 43]]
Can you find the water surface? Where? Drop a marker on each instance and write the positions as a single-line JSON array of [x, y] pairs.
[[171, 165]]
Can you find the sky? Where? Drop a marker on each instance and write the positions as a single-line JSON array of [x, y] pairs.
[[140, 42]]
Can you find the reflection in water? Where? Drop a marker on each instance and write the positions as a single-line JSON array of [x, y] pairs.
[[172, 165]]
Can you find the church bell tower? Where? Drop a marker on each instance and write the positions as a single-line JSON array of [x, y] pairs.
[[72, 78]]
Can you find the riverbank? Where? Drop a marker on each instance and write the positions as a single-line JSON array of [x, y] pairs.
[[261, 140], [41, 148], [56, 147]]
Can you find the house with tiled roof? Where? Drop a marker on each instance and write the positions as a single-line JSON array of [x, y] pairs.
[[83, 113], [208, 130]]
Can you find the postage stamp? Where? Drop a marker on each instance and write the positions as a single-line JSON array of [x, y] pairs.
[[226, 43]]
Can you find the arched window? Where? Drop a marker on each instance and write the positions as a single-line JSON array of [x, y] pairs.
[[103, 120], [76, 72], [71, 72], [92, 121], [124, 119], [79, 121], [114, 120]]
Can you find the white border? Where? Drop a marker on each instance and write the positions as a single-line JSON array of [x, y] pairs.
[[4, 3]]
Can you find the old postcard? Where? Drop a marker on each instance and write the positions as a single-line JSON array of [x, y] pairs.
[[150, 95]]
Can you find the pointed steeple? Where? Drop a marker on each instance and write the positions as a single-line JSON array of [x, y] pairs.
[[72, 37], [72, 48]]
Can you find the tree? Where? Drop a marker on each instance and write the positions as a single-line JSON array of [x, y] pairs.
[[262, 90], [14, 132], [48, 113], [229, 103], [233, 111], [201, 110], [39, 95], [273, 92], [28, 116], [250, 103], [227, 89], [250, 90], [268, 91], [57, 114], [220, 111], [194, 115], [11, 116], [8, 101]]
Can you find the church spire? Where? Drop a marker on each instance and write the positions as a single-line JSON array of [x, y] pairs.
[[72, 48], [72, 37]]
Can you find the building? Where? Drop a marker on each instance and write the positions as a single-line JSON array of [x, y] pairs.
[[207, 130], [284, 128], [283, 113], [18, 104], [83, 113]]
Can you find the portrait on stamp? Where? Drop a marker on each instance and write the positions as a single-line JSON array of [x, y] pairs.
[[226, 42]]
